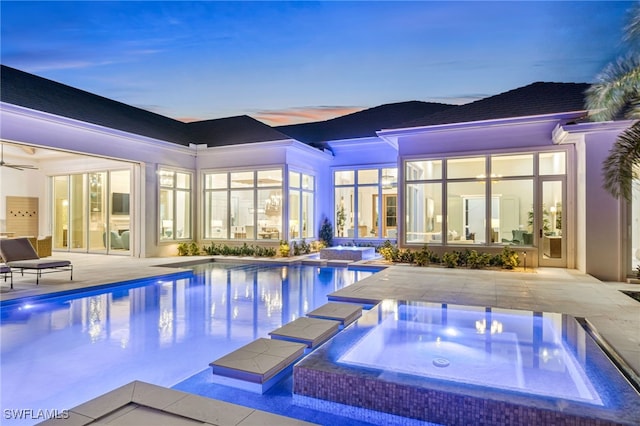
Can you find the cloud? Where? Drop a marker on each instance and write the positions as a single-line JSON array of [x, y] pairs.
[[297, 115]]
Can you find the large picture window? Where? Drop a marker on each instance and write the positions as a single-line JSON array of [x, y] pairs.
[[244, 205], [175, 205], [486, 199]]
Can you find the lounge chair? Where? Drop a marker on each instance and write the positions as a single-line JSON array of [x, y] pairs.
[[4, 271], [18, 253]]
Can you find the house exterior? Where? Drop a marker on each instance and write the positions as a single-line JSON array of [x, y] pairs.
[[519, 169]]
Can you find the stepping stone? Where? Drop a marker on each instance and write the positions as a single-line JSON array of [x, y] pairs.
[[310, 331], [346, 313], [258, 361]]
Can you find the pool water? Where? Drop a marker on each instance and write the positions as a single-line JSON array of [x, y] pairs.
[[511, 350], [57, 353]]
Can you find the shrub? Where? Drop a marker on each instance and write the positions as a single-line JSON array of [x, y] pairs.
[[284, 249], [463, 257], [194, 249], [317, 245], [295, 249], [477, 260], [509, 258], [388, 251], [326, 232], [305, 247], [183, 249], [423, 257], [451, 259], [405, 256], [188, 249]]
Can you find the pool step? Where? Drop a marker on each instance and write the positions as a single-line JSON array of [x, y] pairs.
[[262, 363], [258, 365], [345, 313], [310, 331]]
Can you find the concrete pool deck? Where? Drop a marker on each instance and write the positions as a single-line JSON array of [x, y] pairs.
[[615, 315]]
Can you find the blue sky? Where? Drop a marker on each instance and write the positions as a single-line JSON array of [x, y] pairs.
[[287, 62]]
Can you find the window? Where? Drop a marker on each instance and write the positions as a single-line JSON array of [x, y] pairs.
[[552, 163], [243, 205], [366, 203], [175, 205], [301, 205], [423, 202], [424, 212], [512, 216], [475, 200]]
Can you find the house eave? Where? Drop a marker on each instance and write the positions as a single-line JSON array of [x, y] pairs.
[[390, 134], [572, 133], [283, 143], [360, 143], [20, 111]]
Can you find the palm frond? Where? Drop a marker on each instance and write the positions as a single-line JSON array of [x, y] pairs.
[[632, 29], [620, 168], [617, 88]]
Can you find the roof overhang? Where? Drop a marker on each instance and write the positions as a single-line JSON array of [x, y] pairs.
[[17, 125], [393, 135], [203, 149], [361, 144], [572, 133]]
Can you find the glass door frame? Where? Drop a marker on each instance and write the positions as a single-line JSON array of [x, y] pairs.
[[546, 241], [78, 223]]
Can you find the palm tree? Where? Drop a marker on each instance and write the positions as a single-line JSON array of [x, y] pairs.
[[617, 93]]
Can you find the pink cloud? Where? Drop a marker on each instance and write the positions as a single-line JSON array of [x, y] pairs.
[[299, 115]]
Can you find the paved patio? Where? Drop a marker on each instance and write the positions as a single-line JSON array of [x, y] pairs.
[[615, 315]]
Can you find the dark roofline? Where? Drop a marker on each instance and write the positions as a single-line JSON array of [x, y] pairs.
[[38, 93], [41, 94], [31, 91], [539, 98]]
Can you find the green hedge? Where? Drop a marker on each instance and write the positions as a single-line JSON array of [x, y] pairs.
[[507, 259]]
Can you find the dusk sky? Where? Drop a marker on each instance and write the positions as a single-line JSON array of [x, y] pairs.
[[289, 62]]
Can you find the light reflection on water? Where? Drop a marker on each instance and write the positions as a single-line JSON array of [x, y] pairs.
[[59, 353], [536, 353]]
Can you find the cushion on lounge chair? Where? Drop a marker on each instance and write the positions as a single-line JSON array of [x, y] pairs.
[[13, 249], [19, 253], [39, 263]]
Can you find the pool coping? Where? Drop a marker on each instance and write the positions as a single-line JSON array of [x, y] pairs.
[[168, 403]]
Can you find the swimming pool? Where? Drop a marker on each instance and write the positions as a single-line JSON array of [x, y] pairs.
[[59, 352]]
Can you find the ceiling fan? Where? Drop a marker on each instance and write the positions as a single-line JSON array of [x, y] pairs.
[[13, 166]]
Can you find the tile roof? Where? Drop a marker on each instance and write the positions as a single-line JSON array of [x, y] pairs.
[[30, 91], [233, 131], [362, 123], [535, 99]]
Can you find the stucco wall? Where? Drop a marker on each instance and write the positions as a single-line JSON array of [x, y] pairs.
[[603, 236]]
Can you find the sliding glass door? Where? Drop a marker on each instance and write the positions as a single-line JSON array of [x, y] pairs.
[[91, 212]]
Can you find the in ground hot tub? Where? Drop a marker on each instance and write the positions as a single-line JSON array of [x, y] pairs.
[[347, 253], [463, 365]]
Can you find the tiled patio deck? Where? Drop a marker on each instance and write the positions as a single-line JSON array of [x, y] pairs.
[[615, 315]]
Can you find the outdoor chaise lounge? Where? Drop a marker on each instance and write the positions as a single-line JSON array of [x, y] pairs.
[[18, 253], [4, 271]]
